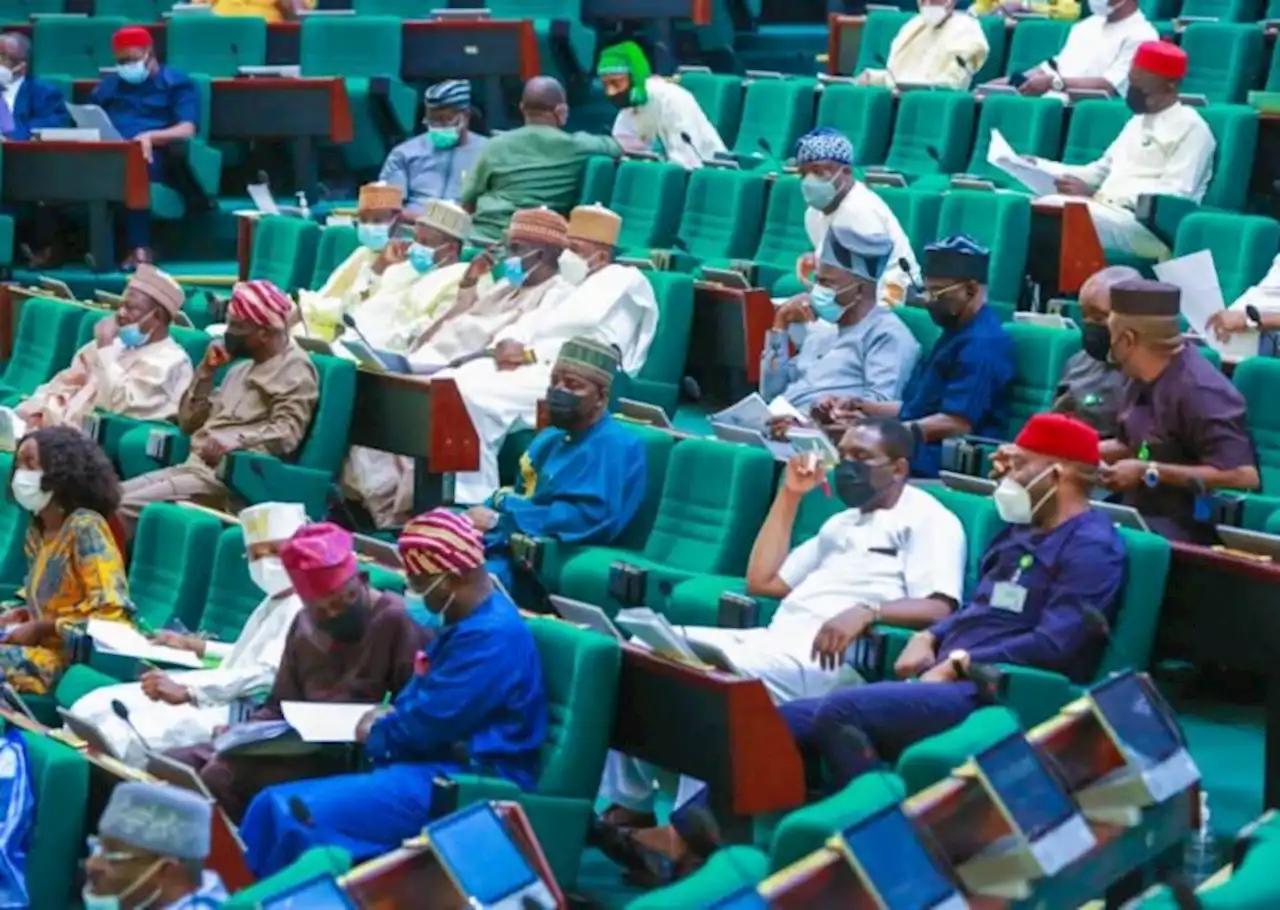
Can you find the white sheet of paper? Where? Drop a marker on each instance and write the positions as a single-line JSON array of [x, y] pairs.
[[262, 198], [751, 413], [1000, 154], [780, 407], [118, 638], [1197, 277], [324, 722], [655, 631]]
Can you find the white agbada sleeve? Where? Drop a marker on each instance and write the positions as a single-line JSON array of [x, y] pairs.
[[1095, 172], [627, 132], [253, 662], [1188, 171], [678, 114], [935, 557], [147, 385]]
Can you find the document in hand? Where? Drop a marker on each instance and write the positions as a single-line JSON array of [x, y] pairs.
[[1197, 277], [255, 736], [118, 638], [1026, 169], [324, 722], [816, 441]]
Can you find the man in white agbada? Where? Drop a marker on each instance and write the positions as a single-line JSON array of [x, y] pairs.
[[652, 108], [612, 304], [1264, 297], [175, 710], [935, 47], [363, 272], [1165, 149], [837, 200], [132, 367], [895, 550]]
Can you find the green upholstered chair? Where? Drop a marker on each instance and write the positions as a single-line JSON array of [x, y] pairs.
[[13, 532], [1032, 126], [171, 562], [580, 672], [1235, 127], [809, 828], [1243, 246], [648, 196], [721, 219], [316, 862], [337, 242], [996, 33], [864, 113], [284, 251], [1035, 41], [706, 522], [720, 97], [597, 180], [922, 326], [932, 133], [133, 10], [1002, 223], [1042, 353], [22, 10], [658, 381], [74, 48], [881, 28], [783, 238], [981, 524], [727, 871], [1256, 379], [1253, 885], [309, 476], [1224, 60], [775, 113], [46, 341], [60, 782], [916, 211], [930, 760], [1222, 10], [232, 594], [216, 46], [1095, 124], [88, 322]]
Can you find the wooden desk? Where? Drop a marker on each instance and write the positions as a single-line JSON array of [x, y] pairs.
[[226, 855], [962, 820], [719, 728], [410, 876], [1079, 252], [729, 329], [94, 174]]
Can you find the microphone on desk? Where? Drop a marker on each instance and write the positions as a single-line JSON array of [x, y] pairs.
[[120, 710], [688, 140]]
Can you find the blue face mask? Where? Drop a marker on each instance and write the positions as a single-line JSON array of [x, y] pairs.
[[132, 337], [373, 236], [513, 271], [422, 258], [134, 72], [415, 605], [822, 300]]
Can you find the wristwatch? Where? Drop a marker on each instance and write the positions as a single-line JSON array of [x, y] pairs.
[[874, 610], [1058, 83], [1151, 476]]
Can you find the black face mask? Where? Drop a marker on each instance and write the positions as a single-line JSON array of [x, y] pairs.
[[941, 313], [621, 100], [1137, 99], [855, 485], [564, 408], [237, 345], [1095, 338], [348, 625]]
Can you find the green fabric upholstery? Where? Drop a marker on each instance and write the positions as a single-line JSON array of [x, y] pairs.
[[1222, 10], [917, 213], [79, 681], [783, 238], [22, 10], [727, 871], [1243, 246], [1042, 353], [808, 829], [1002, 223], [659, 379], [308, 477], [216, 46], [46, 341], [337, 242], [576, 50], [172, 562], [996, 33], [1035, 41], [232, 593], [881, 28], [940, 121], [981, 525], [864, 113], [13, 531], [88, 323], [648, 196], [75, 48], [707, 520], [933, 759], [284, 251], [1224, 60], [922, 326], [314, 863], [1235, 127], [60, 782], [722, 214], [776, 112], [597, 180], [133, 10], [1095, 124], [1033, 126], [720, 97], [1257, 379]]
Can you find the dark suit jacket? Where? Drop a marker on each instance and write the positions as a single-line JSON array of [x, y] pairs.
[[39, 106]]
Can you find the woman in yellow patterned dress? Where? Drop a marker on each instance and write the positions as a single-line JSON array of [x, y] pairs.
[[75, 571]]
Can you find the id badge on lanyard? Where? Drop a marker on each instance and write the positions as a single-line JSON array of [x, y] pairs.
[[1011, 595]]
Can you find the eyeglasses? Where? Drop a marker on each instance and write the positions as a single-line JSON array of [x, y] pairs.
[[95, 850], [932, 296]]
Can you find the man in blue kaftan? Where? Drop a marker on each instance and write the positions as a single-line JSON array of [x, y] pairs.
[[476, 705]]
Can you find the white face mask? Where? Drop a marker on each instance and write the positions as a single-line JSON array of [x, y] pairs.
[[269, 574], [27, 490], [933, 16], [1100, 7], [1013, 500], [6, 77], [93, 901], [573, 268]]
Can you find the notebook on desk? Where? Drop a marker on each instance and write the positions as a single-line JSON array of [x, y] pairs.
[[92, 117]]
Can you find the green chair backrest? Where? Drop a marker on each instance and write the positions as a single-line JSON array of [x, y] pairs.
[[597, 180], [1235, 127], [13, 531], [88, 322], [60, 783], [1258, 378], [193, 341], [996, 33], [232, 593], [711, 507], [1224, 60], [172, 562], [917, 212], [1002, 223], [815, 509], [1222, 10], [1035, 41], [1095, 124], [776, 112], [932, 133], [808, 829], [783, 237], [216, 46], [337, 242], [1160, 12], [325, 445], [316, 862], [1032, 126], [1243, 246], [864, 113], [22, 10], [728, 871], [659, 380], [657, 452], [1273, 72], [350, 46], [397, 9], [133, 10], [922, 326], [47, 333], [648, 196], [981, 525], [580, 673], [1133, 632], [77, 48], [720, 97], [284, 251], [1042, 353], [722, 213], [881, 28], [932, 759]]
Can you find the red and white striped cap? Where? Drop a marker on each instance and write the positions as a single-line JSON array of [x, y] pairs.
[[261, 303], [441, 541]]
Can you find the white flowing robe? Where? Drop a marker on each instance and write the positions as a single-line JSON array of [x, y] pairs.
[[615, 305], [251, 666], [946, 56], [670, 112], [407, 304], [349, 285]]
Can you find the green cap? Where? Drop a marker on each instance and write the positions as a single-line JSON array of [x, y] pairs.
[[627, 59], [587, 355]]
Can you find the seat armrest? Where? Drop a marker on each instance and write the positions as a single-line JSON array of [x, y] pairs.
[[969, 455], [1258, 508], [1034, 695], [1162, 215], [453, 791], [876, 659], [258, 477]]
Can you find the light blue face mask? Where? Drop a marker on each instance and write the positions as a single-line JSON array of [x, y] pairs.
[[415, 605], [132, 337], [822, 300], [513, 271], [373, 236], [422, 258], [134, 72]]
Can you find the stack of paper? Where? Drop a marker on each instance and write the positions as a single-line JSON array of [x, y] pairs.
[[1197, 277], [815, 441], [118, 638], [258, 733], [324, 722], [752, 413], [1031, 172], [654, 630]]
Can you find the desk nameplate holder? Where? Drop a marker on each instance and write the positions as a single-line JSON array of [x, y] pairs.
[[1006, 868], [534, 892], [1144, 781], [891, 828]]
